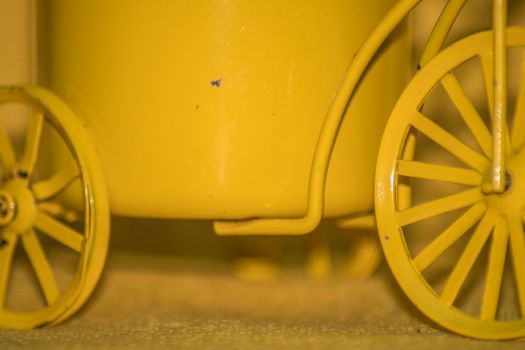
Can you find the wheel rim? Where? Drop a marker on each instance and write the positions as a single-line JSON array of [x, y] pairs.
[[31, 212], [486, 231]]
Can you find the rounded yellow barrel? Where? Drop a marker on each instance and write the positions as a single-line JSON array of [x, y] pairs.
[[212, 108]]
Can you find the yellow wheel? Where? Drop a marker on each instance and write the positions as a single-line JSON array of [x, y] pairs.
[[457, 250], [34, 235]]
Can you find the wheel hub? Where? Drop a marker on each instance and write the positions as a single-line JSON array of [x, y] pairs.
[[17, 206], [512, 201]]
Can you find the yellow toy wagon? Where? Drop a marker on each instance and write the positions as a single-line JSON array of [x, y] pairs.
[[266, 117]]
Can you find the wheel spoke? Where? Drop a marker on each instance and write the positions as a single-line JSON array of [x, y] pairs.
[[450, 143], [468, 258], [518, 127], [7, 155], [464, 264], [439, 206], [41, 266], [56, 183], [58, 231], [32, 145], [517, 244], [468, 112], [439, 172], [34, 219], [60, 211], [495, 269], [449, 236], [6, 260]]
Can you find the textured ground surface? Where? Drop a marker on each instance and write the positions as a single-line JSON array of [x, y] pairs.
[[149, 299]]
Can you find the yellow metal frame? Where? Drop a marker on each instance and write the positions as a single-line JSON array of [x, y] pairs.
[[334, 118], [499, 124]]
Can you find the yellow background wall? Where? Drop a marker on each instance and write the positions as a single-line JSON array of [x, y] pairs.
[[16, 41]]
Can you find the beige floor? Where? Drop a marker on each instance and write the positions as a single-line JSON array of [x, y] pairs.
[[176, 291]]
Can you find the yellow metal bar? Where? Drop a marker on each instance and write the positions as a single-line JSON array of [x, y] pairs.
[[441, 30], [439, 172], [59, 232], [6, 261], [361, 222], [404, 189], [487, 64], [518, 128], [326, 139], [468, 112], [58, 182], [468, 258], [33, 135], [517, 248], [449, 236], [7, 154], [439, 206], [450, 143], [496, 266], [500, 95], [41, 265]]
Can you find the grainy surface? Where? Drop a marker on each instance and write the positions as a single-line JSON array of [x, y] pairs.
[[163, 301]]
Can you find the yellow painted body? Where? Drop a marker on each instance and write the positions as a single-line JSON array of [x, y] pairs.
[[212, 109]]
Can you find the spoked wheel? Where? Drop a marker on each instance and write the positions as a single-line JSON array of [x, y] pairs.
[[457, 250], [32, 229]]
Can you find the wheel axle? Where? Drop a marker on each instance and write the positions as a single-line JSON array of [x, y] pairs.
[[7, 208], [508, 181]]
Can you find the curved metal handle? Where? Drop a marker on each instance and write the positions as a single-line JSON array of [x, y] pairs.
[[326, 140]]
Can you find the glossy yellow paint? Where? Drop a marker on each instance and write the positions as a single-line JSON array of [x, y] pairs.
[[23, 211], [328, 136], [212, 109], [489, 219], [499, 124]]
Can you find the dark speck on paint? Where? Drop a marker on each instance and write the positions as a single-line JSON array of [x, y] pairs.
[[216, 83]]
